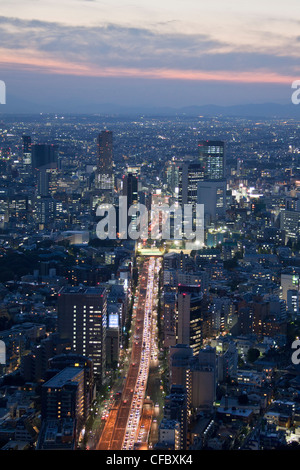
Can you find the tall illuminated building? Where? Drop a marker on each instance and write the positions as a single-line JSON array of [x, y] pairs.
[[82, 314], [63, 397], [211, 191], [191, 317], [212, 159], [190, 174], [130, 190], [104, 177]]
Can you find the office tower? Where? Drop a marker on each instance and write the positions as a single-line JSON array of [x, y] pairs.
[[27, 152], [45, 208], [191, 312], [60, 362], [176, 409], [44, 155], [189, 174], [292, 303], [212, 159], [213, 195], [44, 166], [204, 379], [195, 174], [112, 345], [169, 319], [105, 151], [289, 281], [34, 365], [82, 313], [290, 223], [180, 360], [63, 396], [211, 191], [172, 176], [104, 176], [130, 190]]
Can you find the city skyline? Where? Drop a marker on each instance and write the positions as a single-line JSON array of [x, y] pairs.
[[149, 344], [149, 228]]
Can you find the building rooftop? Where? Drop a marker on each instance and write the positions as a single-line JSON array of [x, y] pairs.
[[67, 374], [99, 290]]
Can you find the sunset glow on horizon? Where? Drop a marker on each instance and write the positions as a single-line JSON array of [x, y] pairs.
[[229, 42]]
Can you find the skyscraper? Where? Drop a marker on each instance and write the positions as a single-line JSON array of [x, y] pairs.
[[44, 162], [190, 173], [26, 148], [82, 314], [63, 396], [190, 317], [130, 190], [204, 378], [44, 155], [211, 191], [212, 159], [104, 179]]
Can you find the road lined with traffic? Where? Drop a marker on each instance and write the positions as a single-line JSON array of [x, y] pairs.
[[123, 422]]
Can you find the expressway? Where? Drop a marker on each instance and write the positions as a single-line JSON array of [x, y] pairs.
[[122, 425]]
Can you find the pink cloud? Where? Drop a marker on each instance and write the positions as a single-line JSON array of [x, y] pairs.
[[38, 64]]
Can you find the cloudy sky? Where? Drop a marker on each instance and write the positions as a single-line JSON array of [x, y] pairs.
[[149, 53]]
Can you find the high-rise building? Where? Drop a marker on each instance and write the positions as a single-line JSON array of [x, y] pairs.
[[63, 396], [44, 167], [176, 408], [59, 362], [130, 190], [204, 378], [212, 159], [289, 281], [195, 174], [82, 317], [44, 155], [104, 177], [172, 175], [180, 359], [26, 148], [45, 210], [190, 172], [211, 190], [192, 316], [212, 194], [290, 223], [169, 309]]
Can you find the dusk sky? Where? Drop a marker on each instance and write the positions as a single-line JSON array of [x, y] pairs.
[[141, 53]]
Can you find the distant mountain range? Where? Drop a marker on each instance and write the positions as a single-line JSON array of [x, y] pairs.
[[266, 110]]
